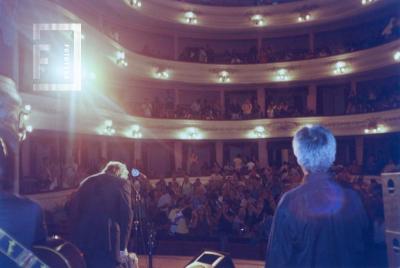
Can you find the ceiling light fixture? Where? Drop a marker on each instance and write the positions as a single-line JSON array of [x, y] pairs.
[[341, 67], [193, 133], [260, 132], [258, 20], [374, 128], [136, 134], [120, 59], [161, 74], [135, 3], [108, 128], [304, 17], [282, 75], [224, 77], [190, 17], [367, 2], [23, 117], [396, 56]]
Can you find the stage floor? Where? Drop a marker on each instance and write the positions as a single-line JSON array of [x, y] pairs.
[[160, 261]]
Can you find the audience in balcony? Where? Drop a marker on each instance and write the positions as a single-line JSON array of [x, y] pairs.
[[374, 98], [208, 55], [198, 109], [326, 44], [248, 109]]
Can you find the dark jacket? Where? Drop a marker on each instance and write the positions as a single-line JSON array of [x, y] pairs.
[[318, 224], [23, 220], [101, 203]]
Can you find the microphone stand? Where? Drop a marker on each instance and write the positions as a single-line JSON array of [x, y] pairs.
[[151, 243]]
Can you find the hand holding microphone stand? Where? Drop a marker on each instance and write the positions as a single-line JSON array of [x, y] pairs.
[[142, 226]]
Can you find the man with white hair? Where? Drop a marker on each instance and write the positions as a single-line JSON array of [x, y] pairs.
[[319, 223], [101, 216]]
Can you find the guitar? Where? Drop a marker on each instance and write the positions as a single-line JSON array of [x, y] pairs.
[[56, 254], [60, 253]]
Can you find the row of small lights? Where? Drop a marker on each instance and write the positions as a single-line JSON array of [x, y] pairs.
[[109, 130], [190, 133], [191, 18], [193, 133], [374, 128], [282, 74]]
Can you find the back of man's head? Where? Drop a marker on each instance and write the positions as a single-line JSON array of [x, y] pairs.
[[117, 169], [315, 148]]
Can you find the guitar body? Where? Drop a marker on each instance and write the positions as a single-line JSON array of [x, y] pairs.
[[59, 253]]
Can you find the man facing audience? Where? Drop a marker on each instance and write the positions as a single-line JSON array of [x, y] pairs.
[[101, 215], [319, 223]]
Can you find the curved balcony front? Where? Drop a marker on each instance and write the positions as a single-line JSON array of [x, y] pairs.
[[305, 70], [83, 114], [238, 19], [146, 68]]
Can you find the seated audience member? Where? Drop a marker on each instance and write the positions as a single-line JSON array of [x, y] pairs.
[[187, 187], [238, 163], [20, 217], [101, 216], [319, 223]]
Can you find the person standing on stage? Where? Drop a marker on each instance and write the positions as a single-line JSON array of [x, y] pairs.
[[101, 216], [319, 223], [20, 217]]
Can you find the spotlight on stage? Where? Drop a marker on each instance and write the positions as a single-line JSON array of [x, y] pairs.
[[135, 172], [211, 259]]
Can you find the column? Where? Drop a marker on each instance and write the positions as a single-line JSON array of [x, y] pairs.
[[103, 150], [178, 154], [219, 153], [359, 149], [137, 152], [311, 44], [259, 46], [312, 98], [222, 102], [353, 86], [261, 100], [176, 46], [262, 153], [79, 150], [176, 97], [285, 155]]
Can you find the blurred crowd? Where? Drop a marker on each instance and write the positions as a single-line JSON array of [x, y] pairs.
[[239, 200], [374, 99], [198, 109]]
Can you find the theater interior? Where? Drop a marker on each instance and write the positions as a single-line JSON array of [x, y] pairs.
[[201, 99]]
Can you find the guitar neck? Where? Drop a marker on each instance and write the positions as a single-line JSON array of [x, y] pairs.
[[14, 250]]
